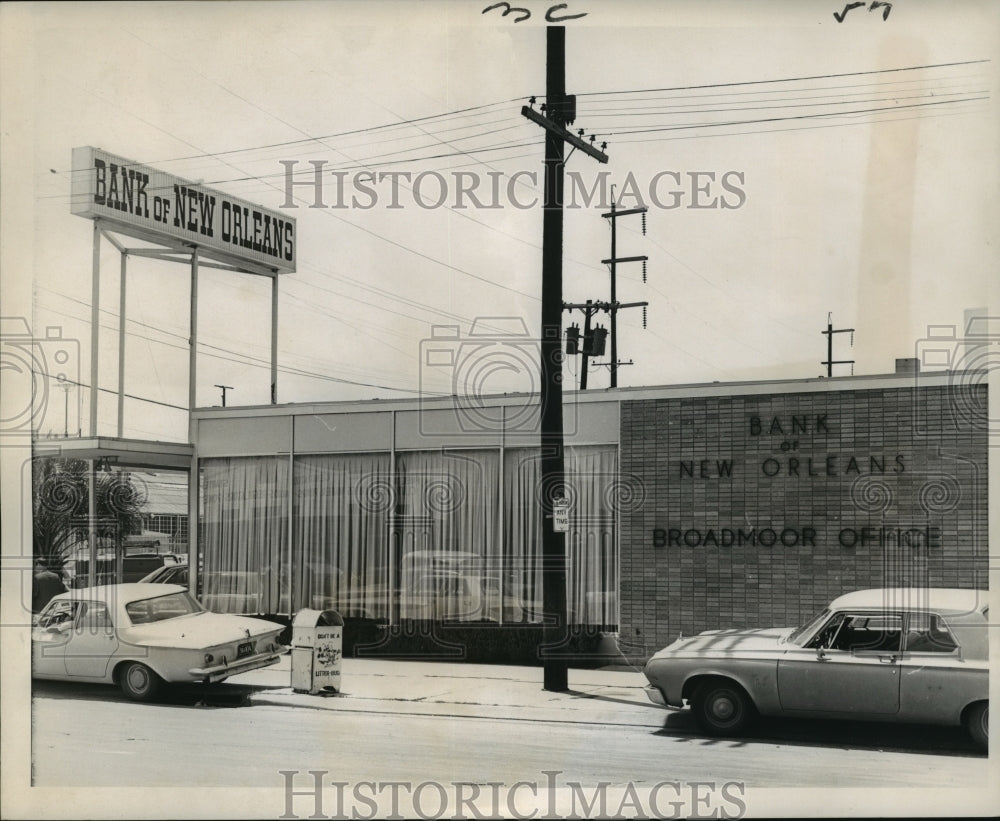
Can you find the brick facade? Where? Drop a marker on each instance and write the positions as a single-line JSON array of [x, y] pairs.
[[760, 508]]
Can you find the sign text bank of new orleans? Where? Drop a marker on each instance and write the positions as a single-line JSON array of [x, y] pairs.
[[776, 441], [151, 204]]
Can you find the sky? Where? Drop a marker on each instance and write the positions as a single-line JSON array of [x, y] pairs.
[[844, 170]]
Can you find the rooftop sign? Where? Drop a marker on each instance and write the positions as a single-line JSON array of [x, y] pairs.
[[152, 205]]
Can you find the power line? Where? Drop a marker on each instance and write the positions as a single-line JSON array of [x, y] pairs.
[[703, 99], [784, 119], [598, 104], [783, 79], [661, 112], [246, 360], [753, 132]]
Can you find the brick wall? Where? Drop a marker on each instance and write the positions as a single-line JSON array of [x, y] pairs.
[[759, 509]]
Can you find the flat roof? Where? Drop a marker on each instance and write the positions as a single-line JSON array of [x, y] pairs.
[[695, 389]]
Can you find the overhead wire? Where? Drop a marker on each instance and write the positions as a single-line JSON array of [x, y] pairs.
[[786, 79], [757, 121], [207, 348], [620, 131]]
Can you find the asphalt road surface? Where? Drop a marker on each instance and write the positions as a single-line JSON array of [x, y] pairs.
[[209, 736]]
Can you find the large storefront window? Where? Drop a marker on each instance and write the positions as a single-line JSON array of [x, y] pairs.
[[340, 534], [446, 536], [591, 486], [245, 536]]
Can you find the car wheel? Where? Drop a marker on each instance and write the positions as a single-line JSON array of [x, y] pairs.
[[722, 707], [977, 721], [138, 682]]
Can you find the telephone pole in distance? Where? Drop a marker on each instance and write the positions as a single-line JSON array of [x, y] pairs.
[[613, 215]]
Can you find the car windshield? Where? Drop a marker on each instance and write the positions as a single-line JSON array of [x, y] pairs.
[[799, 635], [159, 608]]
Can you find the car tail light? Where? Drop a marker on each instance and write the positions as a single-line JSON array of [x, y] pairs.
[[209, 658]]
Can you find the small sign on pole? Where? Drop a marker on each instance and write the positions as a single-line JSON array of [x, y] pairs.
[[560, 515]]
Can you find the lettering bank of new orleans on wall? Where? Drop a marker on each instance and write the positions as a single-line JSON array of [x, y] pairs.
[[761, 507]]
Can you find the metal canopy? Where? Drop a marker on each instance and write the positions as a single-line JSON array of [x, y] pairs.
[[131, 453]]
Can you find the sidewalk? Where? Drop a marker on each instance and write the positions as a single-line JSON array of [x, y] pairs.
[[465, 690]]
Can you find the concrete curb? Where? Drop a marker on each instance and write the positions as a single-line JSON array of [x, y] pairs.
[[434, 689], [640, 717]]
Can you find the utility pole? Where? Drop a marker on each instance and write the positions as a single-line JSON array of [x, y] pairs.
[[224, 389], [585, 345], [829, 332], [561, 110], [613, 215], [592, 343]]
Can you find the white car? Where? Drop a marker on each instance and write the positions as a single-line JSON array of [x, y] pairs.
[[140, 636], [902, 655]]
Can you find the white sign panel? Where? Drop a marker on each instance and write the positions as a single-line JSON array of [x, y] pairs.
[[150, 204], [560, 516]]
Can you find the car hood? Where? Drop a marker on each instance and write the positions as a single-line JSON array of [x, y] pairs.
[[200, 630], [721, 643]]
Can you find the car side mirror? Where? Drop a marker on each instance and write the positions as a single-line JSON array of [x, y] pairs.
[[821, 654]]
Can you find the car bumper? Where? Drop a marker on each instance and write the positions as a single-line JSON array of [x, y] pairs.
[[221, 671], [654, 695]]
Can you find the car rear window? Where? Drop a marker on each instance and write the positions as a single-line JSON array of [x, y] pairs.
[[928, 633], [160, 608]]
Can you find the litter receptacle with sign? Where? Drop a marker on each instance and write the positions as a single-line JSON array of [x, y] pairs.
[[317, 650]]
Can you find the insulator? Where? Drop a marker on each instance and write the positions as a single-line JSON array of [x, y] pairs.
[[644, 272], [644, 232], [852, 339], [643, 316]]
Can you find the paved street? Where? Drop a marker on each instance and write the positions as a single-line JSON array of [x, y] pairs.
[[412, 721]]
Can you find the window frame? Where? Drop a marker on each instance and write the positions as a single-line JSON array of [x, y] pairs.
[[956, 647], [860, 613]]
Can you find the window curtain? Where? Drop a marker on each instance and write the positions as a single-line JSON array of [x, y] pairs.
[[593, 489], [342, 507], [591, 555], [447, 535], [468, 542], [522, 551], [245, 535]]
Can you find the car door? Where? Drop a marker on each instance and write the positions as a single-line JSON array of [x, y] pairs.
[[851, 666], [92, 642], [937, 679]]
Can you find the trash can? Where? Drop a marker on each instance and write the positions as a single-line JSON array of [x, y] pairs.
[[317, 649]]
